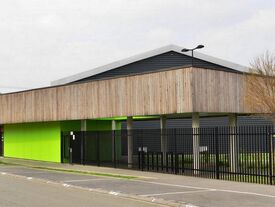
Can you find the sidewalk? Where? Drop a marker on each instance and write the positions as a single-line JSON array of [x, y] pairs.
[[77, 167], [169, 179]]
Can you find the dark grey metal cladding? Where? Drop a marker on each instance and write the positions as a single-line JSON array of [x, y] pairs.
[[159, 62], [204, 122]]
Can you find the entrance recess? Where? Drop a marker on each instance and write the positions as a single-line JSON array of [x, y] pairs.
[[101, 148]]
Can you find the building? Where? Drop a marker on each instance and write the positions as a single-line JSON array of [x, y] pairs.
[[161, 85]]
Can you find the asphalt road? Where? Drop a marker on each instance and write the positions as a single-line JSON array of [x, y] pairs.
[[28, 189], [17, 191]]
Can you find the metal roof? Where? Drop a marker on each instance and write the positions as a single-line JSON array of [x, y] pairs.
[[145, 55]]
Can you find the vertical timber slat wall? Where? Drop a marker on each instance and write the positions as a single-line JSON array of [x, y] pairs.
[[216, 91], [167, 92]]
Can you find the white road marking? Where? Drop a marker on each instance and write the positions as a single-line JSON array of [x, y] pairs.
[[184, 186], [210, 189], [174, 185], [190, 205], [182, 192], [66, 185], [27, 173], [84, 180], [113, 193], [16, 172]]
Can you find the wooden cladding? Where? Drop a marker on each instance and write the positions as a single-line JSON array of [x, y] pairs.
[[218, 91], [167, 92]]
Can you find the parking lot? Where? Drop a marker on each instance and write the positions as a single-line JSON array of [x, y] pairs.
[[153, 188]]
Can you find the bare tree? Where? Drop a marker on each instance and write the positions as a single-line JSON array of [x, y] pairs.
[[260, 86]]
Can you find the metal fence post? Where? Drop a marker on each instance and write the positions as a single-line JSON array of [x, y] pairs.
[[82, 148], [139, 160], [97, 149], [161, 161], [114, 147], [142, 160], [217, 153], [167, 161], [270, 137], [176, 154], [147, 159], [172, 162], [152, 161], [70, 149], [157, 161]]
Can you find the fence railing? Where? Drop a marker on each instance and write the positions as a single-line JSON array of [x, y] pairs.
[[244, 153], [1, 144]]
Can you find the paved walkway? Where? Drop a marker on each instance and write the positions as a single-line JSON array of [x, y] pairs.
[[182, 189]]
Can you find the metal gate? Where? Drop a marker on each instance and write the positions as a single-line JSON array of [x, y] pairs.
[[72, 147]]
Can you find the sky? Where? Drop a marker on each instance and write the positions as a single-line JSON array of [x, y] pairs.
[[41, 41]]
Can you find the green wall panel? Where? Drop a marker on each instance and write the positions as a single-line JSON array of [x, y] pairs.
[[99, 125], [41, 141], [67, 126], [36, 141]]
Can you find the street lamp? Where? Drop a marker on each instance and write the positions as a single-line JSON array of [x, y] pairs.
[[192, 51]]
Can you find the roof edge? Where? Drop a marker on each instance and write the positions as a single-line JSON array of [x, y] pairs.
[[145, 55]]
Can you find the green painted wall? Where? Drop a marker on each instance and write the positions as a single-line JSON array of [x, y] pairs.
[[98, 125], [36, 141], [41, 141]]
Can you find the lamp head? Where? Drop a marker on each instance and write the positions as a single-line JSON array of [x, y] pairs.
[[200, 46], [185, 50]]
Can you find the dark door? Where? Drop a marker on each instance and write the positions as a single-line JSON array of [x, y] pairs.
[[75, 147], [1, 142]]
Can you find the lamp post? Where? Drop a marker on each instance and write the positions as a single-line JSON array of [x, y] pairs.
[[192, 51]]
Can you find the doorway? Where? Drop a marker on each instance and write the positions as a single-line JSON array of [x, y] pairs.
[[1, 142]]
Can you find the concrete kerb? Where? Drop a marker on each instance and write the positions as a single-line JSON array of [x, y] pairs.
[[158, 201], [80, 169]]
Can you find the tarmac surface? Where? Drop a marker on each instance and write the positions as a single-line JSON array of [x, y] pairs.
[[181, 190], [16, 191]]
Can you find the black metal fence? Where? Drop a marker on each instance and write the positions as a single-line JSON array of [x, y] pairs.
[[1, 144], [243, 153]]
